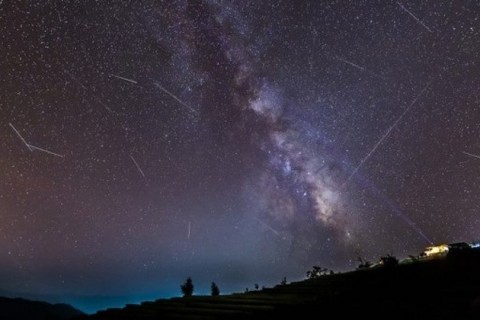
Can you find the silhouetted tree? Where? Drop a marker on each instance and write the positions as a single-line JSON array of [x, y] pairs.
[[187, 287], [256, 286], [284, 281], [318, 272], [364, 264], [389, 261], [215, 290], [413, 258]]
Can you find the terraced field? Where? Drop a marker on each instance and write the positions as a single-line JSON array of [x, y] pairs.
[[446, 288]]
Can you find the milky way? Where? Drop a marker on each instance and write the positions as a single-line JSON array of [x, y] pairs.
[[230, 141]]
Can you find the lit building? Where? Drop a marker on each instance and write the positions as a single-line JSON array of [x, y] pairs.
[[436, 250]]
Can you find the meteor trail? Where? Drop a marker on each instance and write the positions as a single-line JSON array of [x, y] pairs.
[[471, 154], [175, 97], [359, 67], [138, 167], [105, 106], [350, 63], [46, 151], [385, 136], [20, 136], [189, 229], [124, 79], [414, 17], [32, 147], [268, 227], [74, 79]]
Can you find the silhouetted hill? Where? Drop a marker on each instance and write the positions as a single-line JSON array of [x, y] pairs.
[[442, 288], [21, 309]]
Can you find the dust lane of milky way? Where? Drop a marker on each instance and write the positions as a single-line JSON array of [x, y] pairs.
[[230, 141]]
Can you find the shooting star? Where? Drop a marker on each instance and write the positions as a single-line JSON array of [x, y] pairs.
[[414, 17], [359, 67], [105, 106], [46, 151], [189, 229], [268, 227], [350, 63], [20, 136], [32, 147], [74, 79], [138, 167], [124, 79], [385, 136], [471, 154], [176, 98]]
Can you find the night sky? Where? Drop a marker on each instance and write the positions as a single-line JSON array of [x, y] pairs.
[[239, 142]]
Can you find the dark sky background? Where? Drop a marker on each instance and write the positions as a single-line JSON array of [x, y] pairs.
[[232, 141]]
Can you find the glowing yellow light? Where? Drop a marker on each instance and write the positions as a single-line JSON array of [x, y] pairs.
[[436, 250]]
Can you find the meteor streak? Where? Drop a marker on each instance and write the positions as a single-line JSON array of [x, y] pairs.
[[124, 79], [138, 167], [385, 136]]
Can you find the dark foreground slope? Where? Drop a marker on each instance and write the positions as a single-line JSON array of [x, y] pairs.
[[447, 288], [21, 309]]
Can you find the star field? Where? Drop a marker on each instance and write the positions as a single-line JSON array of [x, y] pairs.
[[232, 141]]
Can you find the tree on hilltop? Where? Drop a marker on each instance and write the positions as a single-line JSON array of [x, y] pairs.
[[187, 288], [389, 261], [215, 291], [317, 272]]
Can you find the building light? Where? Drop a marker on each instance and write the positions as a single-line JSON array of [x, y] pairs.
[[436, 250]]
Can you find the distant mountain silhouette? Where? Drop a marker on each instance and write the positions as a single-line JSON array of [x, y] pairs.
[[21, 309], [443, 287]]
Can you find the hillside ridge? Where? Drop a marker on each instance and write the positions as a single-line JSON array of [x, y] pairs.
[[444, 287]]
